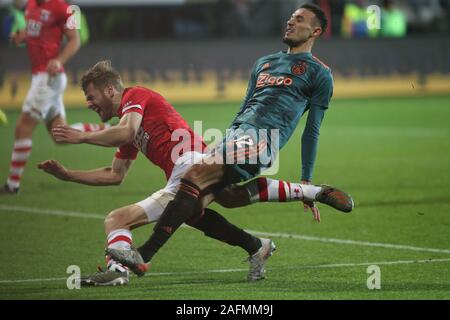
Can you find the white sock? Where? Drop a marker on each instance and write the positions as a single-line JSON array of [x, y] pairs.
[[268, 190], [118, 239], [310, 191]]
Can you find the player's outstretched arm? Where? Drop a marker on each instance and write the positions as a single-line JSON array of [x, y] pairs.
[[310, 138], [107, 176], [114, 136]]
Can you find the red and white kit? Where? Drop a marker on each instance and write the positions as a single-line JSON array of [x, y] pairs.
[[164, 138], [44, 33]]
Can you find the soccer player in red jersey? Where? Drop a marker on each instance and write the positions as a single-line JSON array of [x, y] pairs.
[[47, 22]]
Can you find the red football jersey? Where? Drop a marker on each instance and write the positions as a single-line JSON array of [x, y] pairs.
[[45, 27], [163, 135]]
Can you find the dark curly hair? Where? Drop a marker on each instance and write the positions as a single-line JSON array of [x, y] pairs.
[[320, 15]]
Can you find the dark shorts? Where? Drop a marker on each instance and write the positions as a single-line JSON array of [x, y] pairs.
[[246, 152]]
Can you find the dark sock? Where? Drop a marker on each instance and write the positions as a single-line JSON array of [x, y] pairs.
[[179, 210], [217, 227]]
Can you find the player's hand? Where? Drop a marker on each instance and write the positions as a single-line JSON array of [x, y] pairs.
[[64, 133], [54, 168], [53, 67], [310, 205], [18, 37]]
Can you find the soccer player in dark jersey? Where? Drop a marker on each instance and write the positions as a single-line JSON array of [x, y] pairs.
[[282, 87]]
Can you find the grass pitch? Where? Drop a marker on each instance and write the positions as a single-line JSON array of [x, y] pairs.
[[392, 155]]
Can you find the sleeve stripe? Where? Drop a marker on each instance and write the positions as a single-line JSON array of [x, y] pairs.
[[130, 107]]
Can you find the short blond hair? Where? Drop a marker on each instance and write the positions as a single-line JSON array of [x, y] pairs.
[[101, 75]]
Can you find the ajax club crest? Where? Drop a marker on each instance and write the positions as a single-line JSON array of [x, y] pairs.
[[299, 68]]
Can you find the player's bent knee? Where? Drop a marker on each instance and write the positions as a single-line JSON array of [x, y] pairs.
[[195, 174], [128, 217], [203, 173], [115, 219], [109, 220], [233, 197]]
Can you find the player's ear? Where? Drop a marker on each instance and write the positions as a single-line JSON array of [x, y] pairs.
[[317, 32]]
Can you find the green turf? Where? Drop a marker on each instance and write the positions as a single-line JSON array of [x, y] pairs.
[[392, 155]]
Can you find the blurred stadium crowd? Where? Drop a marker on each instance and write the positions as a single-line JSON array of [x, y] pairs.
[[247, 18], [199, 50]]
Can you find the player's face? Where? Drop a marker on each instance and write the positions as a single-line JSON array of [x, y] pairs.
[[99, 102], [300, 28]]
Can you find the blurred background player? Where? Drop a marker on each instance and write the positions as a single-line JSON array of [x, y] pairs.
[[46, 24], [13, 23], [393, 20]]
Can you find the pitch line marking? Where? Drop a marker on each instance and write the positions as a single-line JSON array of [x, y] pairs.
[[320, 266], [258, 233], [51, 212], [343, 241]]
